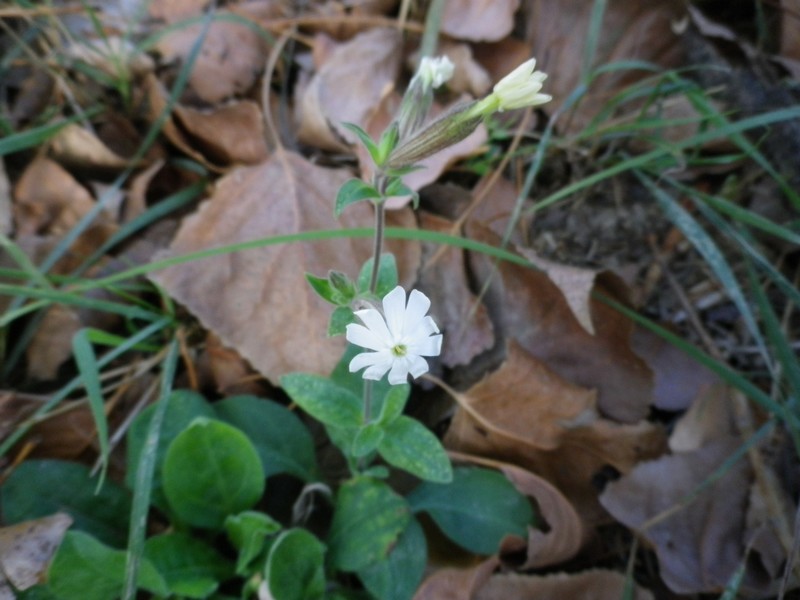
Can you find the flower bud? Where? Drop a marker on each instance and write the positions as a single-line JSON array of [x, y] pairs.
[[518, 89], [431, 74]]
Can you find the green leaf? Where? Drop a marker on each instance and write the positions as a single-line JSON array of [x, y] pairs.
[[354, 190], [387, 143], [367, 520], [248, 532], [38, 488], [90, 374], [409, 445], [398, 577], [211, 470], [341, 317], [394, 402], [387, 275], [183, 407], [322, 287], [367, 439], [295, 568], [476, 510], [323, 399], [190, 568], [85, 569], [337, 288], [368, 142], [282, 441], [354, 382]]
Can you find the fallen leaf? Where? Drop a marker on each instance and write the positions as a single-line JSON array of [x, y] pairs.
[[698, 543], [257, 301], [78, 148], [527, 306], [51, 345], [458, 313], [6, 210], [227, 135], [27, 548], [227, 371], [479, 20], [636, 30], [586, 585], [468, 75], [229, 62], [710, 416], [347, 88], [172, 11], [456, 584]]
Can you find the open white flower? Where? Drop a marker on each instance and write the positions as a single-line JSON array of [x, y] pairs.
[[399, 337], [520, 88]]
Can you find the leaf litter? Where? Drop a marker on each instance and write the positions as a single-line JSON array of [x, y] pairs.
[[558, 391]]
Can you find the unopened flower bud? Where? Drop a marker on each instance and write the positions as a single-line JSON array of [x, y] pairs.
[[518, 89], [431, 74]]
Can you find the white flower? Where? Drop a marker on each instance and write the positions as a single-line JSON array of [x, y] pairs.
[[435, 71], [521, 88], [399, 337]]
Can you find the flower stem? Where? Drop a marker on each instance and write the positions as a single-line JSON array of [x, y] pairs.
[[380, 217]]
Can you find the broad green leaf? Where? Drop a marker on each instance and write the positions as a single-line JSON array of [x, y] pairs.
[[368, 142], [394, 402], [477, 510], [85, 569], [211, 470], [183, 407], [341, 317], [367, 439], [190, 567], [354, 190], [367, 520], [295, 568], [248, 532], [282, 441], [387, 275], [38, 488], [409, 445], [398, 577], [323, 399]]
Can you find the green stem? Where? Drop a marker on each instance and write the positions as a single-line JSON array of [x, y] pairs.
[[380, 218]]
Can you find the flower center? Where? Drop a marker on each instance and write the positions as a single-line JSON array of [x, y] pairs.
[[399, 350]]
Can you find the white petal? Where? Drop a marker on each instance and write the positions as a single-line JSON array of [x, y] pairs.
[[418, 305], [361, 336], [378, 363], [377, 370], [376, 324], [418, 366], [399, 372], [430, 346], [394, 308]]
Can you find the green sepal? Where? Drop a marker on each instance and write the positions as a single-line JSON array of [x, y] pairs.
[[354, 190]]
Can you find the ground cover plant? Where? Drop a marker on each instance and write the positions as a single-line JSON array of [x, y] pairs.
[[399, 300]]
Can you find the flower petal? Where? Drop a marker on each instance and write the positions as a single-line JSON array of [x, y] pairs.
[[399, 373], [430, 346], [376, 324], [361, 336], [377, 370], [377, 362], [394, 308], [418, 305], [418, 365]]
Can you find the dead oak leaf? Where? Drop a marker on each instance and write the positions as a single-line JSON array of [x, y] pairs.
[[27, 548], [587, 585], [347, 88], [257, 301], [479, 20]]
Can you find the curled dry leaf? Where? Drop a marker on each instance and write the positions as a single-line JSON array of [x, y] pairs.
[[468, 76], [51, 345], [227, 135], [479, 20], [527, 306], [257, 301], [26, 549], [564, 533], [228, 65], [78, 148], [587, 585], [459, 314], [347, 88], [456, 584]]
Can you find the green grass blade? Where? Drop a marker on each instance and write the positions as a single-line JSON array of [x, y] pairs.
[[38, 136], [90, 378], [76, 382], [144, 475]]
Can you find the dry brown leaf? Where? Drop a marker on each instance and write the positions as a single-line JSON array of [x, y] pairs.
[[635, 30], [79, 148], [6, 210], [459, 314], [176, 10], [26, 549], [51, 345], [347, 88], [710, 417], [527, 306], [227, 371], [564, 534], [587, 585], [479, 20], [257, 301], [699, 545], [500, 58], [468, 75], [456, 584], [227, 135], [229, 62]]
